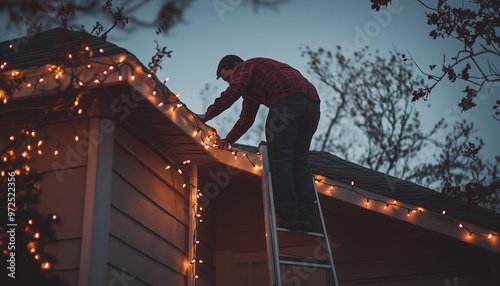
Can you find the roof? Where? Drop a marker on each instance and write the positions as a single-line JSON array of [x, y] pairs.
[[35, 52], [333, 167], [51, 47]]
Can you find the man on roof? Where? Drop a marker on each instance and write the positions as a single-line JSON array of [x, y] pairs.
[[294, 111]]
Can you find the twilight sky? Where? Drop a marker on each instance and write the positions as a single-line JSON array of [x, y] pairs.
[[213, 29]]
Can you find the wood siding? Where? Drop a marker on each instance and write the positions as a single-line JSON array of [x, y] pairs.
[[148, 234]]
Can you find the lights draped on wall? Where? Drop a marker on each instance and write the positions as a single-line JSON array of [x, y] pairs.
[[79, 71]]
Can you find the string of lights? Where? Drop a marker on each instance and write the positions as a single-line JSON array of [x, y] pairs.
[[393, 203], [81, 71]]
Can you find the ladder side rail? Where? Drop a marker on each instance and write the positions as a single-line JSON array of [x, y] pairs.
[[267, 216], [274, 234], [327, 240]]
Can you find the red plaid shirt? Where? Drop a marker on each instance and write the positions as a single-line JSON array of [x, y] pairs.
[[259, 81]]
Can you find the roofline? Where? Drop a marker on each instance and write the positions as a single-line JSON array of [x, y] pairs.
[[438, 222], [148, 85]]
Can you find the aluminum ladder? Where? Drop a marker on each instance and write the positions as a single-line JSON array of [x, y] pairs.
[[275, 258]]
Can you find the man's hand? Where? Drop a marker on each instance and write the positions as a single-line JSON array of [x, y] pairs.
[[224, 144]]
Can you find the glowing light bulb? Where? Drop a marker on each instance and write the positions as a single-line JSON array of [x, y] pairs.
[[160, 104], [167, 167], [40, 80], [46, 265], [120, 78], [56, 152], [132, 77], [443, 212], [54, 217], [101, 51], [37, 235], [12, 138], [460, 225], [77, 138]]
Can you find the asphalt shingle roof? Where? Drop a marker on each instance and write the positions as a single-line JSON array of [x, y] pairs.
[[335, 168], [51, 47]]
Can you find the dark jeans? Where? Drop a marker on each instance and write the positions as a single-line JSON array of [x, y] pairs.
[[290, 126]]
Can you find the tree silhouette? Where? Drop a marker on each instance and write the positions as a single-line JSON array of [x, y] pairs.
[[475, 26], [370, 117]]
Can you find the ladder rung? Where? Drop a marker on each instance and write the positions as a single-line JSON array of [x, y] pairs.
[[317, 234], [303, 261]]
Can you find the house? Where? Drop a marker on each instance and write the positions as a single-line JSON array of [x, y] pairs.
[[145, 198]]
